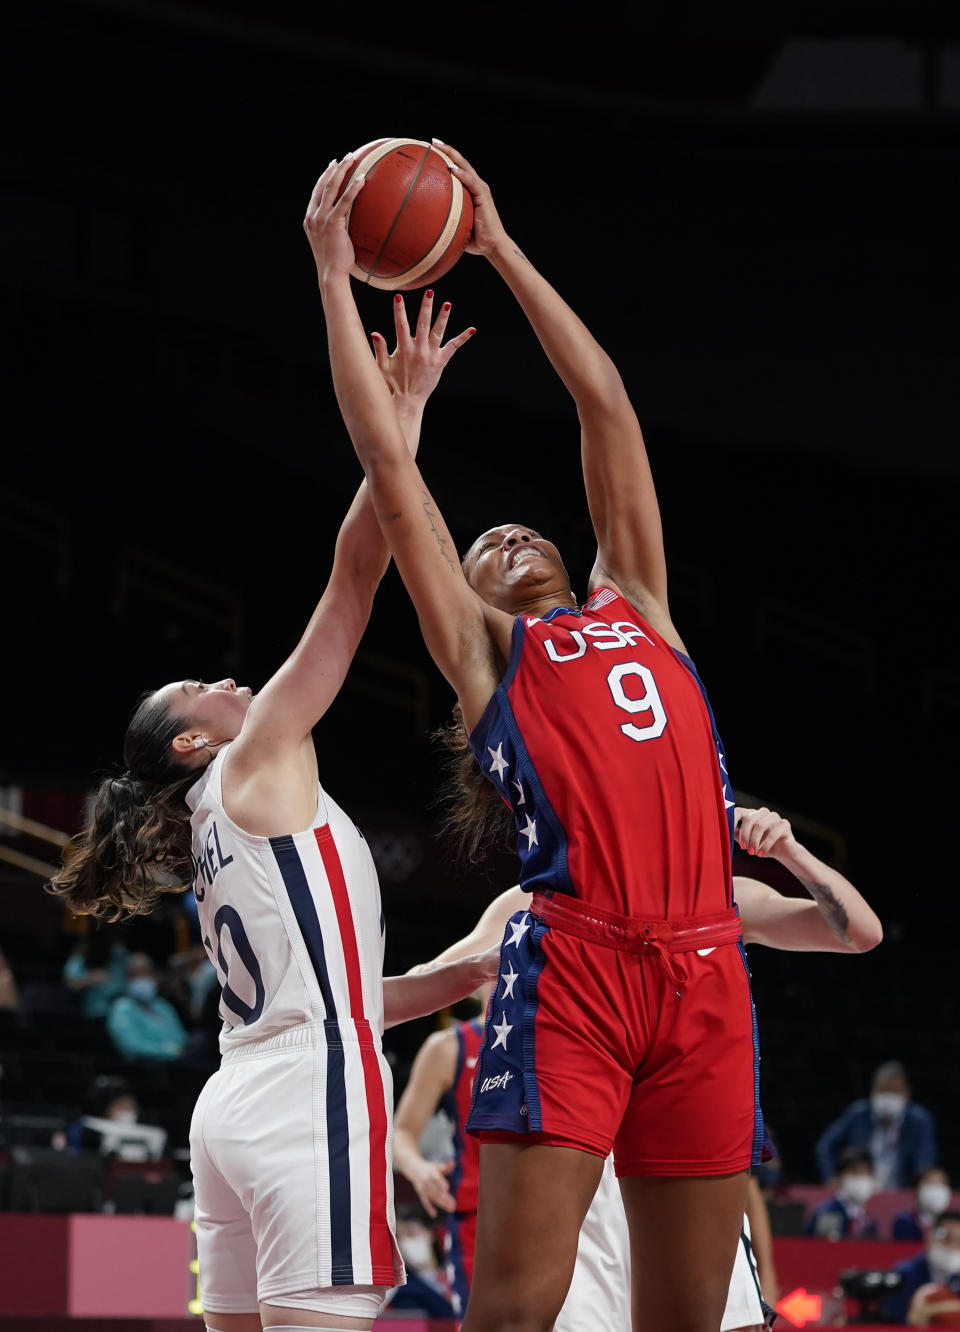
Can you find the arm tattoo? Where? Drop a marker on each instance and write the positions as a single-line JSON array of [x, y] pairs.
[[389, 517], [834, 912], [521, 255], [441, 540]]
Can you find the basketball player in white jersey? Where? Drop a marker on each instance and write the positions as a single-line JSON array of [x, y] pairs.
[[836, 920], [291, 1138]]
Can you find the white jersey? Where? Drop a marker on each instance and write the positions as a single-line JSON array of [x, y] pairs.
[[291, 1140], [293, 924]]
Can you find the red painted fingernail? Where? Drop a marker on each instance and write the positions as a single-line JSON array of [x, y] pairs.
[[430, 294], [446, 305], [759, 853], [398, 298], [471, 330]]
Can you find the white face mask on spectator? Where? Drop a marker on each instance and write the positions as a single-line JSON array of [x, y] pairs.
[[933, 1198], [888, 1105], [857, 1189], [943, 1259], [416, 1251]]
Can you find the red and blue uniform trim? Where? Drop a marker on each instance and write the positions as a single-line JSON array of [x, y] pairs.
[[337, 1110]]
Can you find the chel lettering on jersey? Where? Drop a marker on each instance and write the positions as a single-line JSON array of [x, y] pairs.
[[209, 863], [599, 635]]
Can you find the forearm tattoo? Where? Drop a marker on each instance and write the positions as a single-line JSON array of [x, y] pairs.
[[442, 541], [834, 912], [521, 255]]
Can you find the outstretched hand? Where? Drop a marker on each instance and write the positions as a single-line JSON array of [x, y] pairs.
[[326, 219], [413, 369], [488, 230], [432, 1187]]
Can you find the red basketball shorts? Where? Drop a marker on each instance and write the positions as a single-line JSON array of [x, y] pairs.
[[609, 1033]]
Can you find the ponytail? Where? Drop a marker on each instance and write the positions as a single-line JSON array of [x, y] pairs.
[[476, 816], [136, 844]]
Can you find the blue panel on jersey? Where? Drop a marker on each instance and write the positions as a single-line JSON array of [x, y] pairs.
[[456, 1265], [759, 1131], [500, 751], [505, 1092], [305, 909], [728, 799], [448, 1104], [338, 1158]]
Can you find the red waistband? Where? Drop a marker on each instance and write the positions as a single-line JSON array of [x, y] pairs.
[[630, 935]]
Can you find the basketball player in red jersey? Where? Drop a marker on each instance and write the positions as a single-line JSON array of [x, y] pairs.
[[835, 918], [442, 1078], [591, 723]]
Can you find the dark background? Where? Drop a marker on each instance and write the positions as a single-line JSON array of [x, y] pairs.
[[758, 220]]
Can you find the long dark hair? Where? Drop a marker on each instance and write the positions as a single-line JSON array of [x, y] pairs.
[[474, 814], [136, 844]]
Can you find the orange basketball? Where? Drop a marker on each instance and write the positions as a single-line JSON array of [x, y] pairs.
[[410, 222]]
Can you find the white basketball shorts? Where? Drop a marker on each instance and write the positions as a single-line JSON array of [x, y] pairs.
[[743, 1298], [599, 1294], [291, 1149]]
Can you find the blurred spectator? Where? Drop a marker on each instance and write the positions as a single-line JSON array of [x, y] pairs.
[[97, 970], [844, 1216], [141, 1024], [9, 994], [191, 977], [898, 1133], [932, 1193], [426, 1288], [938, 1266], [111, 1124]]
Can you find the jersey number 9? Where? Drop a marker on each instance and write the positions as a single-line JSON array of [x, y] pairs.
[[650, 701]]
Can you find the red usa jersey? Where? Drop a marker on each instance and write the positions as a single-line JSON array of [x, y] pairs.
[[455, 1104], [601, 739]]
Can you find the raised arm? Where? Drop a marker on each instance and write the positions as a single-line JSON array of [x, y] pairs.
[[454, 621], [274, 749], [837, 920], [616, 471]]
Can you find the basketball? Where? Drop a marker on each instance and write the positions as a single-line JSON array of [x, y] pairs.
[[412, 219]]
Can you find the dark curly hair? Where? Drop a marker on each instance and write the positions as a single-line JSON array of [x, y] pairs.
[[136, 844]]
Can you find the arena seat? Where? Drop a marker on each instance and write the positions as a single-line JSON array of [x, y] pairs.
[[41, 1179]]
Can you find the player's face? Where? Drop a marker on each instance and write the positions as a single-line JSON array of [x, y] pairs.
[[510, 564], [218, 709]]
